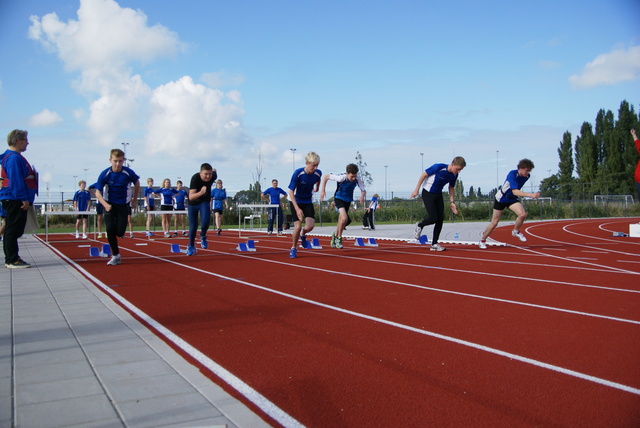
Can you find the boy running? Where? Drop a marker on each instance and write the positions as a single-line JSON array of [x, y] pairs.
[[432, 180], [508, 196], [347, 183], [304, 182], [113, 192]]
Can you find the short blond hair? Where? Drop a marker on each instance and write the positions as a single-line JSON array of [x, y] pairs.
[[312, 158]]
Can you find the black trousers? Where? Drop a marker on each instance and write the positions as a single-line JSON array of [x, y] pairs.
[[115, 223], [434, 204], [275, 214], [367, 219], [16, 220]]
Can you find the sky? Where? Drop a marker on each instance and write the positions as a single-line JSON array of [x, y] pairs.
[[241, 83]]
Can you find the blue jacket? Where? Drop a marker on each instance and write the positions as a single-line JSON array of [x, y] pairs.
[[20, 180]]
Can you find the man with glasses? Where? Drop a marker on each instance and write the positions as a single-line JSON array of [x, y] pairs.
[[17, 193], [508, 197]]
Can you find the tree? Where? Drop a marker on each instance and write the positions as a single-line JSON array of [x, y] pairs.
[[366, 177], [565, 166], [626, 121], [550, 186], [586, 153], [472, 193]]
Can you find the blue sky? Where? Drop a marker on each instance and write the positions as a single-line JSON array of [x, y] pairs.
[[239, 83]]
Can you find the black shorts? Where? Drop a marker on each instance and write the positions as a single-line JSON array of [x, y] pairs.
[[500, 206], [81, 216], [217, 211], [307, 210], [99, 208], [166, 207], [148, 208], [342, 204]]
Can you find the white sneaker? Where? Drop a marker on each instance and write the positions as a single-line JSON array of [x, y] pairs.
[[482, 245], [115, 260], [130, 234], [437, 247], [417, 231], [519, 235], [99, 235], [77, 235], [84, 236]]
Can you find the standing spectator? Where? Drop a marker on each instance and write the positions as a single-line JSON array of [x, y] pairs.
[[149, 204], [272, 196], [200, 204], [166, 204], [3, 222], [179, 199], [82, 202], [431, 181], [18, 191], [218, 197], [636, 175], [304, 182], [113, 191], [508, 197], [99, 214], [368, 217], [347, 183]]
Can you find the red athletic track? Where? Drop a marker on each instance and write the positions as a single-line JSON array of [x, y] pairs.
[[546, 333]]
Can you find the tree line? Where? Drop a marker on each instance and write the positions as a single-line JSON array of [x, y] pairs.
[[600, 162]]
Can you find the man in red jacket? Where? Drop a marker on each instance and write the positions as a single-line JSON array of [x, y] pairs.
[[636, 175]]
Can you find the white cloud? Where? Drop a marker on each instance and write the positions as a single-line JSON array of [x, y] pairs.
[[45, 118], [105, 34], [618, 66], [100, 45], [186, 118]]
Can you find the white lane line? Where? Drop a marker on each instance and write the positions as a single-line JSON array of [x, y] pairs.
[[249, 393], [255, 395]]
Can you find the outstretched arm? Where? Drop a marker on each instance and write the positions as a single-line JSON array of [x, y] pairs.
[[423, 177]]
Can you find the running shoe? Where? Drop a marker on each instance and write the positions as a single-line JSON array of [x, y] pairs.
[[417, 231], [219, 232], [167, 235], [175, 235], [519, 235], [437, 247], [99, 235], [148, 233], [339, 242], [482, 245], [115, 260], [18, 264], [303, 241], [84, 236], [293, 253], [203, 242], [77, 235], [191, 250], [131, 235], [333, 240]]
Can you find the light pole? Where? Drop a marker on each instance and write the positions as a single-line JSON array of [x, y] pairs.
[[85, 173], [422, 164], [75, 180], [124, 146], [293, 159], [385, 182]]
